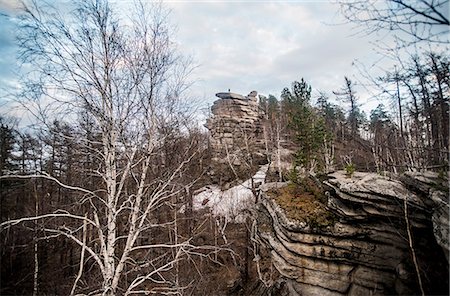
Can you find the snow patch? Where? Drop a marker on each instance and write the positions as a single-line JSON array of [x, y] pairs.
[[230, 203]]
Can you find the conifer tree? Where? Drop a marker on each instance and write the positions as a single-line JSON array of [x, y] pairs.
[[307, 127]]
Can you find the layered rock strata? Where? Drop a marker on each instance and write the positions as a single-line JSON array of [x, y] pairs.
[[366, 251], [236, 129]]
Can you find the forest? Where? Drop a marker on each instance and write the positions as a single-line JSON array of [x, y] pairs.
[[97, 195]]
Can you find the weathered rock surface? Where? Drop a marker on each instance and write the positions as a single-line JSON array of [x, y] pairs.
[[236, 132], [366, 251]]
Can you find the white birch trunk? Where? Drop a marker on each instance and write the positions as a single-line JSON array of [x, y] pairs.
[[280, 174], [36, 254], [109, 145]]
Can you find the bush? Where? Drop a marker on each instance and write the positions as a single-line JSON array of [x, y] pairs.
[[350, 169]]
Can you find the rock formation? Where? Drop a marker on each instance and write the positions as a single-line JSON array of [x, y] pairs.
[[236, 131], [365, 250]]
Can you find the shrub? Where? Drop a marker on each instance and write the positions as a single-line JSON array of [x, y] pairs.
[[350, 169]]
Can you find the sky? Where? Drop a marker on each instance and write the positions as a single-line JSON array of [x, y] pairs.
[[265, 46], [248, 45]]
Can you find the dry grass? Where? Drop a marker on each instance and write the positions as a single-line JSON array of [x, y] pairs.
[[304, 202]]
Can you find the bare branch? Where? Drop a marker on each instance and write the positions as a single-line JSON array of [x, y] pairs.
[[48, 177], [13, 222]]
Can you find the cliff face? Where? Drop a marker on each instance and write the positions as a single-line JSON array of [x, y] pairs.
[[236, 130], [366, 249]]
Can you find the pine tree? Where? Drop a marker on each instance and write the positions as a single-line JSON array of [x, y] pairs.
[[7, 140], [308, 129]]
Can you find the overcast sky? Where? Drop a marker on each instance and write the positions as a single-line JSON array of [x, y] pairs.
[[250, 45], [264, 46]]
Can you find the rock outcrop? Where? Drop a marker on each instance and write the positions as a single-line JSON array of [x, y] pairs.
[[366, 250], [236, 131]]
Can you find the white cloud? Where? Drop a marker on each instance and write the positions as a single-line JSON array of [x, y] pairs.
[[10, 6], [265, 46]]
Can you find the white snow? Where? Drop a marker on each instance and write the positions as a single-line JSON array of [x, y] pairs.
[[232, 202]]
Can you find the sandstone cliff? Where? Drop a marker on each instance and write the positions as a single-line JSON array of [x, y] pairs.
[[363, 247]]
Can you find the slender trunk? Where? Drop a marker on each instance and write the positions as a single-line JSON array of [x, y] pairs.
[[442, 104], [247, 252], [400, 114], [391, 160], [375, 157], [328, 154], [36, 270], [411, 247], [280, 174], [266, 143], [109, 142], [431, 118], [189, 207], [416, 111], [36, 254], [215, 237], [134, 227], [83, 248], [177, 249]]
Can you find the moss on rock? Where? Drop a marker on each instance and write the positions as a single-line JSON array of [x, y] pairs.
[[304, 201]]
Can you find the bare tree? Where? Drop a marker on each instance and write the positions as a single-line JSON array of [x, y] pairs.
[[348, 95], [125, 77], [411, 21]]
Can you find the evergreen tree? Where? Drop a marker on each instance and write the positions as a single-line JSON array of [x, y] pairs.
[[379, 117], [272, 107], [307, 127], [333, 116], [7, 140]]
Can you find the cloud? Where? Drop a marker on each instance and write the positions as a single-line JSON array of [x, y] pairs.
[[8, 56], [249, 45], [266, 46], [10, 6]]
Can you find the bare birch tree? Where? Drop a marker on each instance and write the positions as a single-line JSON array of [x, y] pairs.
[[123, 73]]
